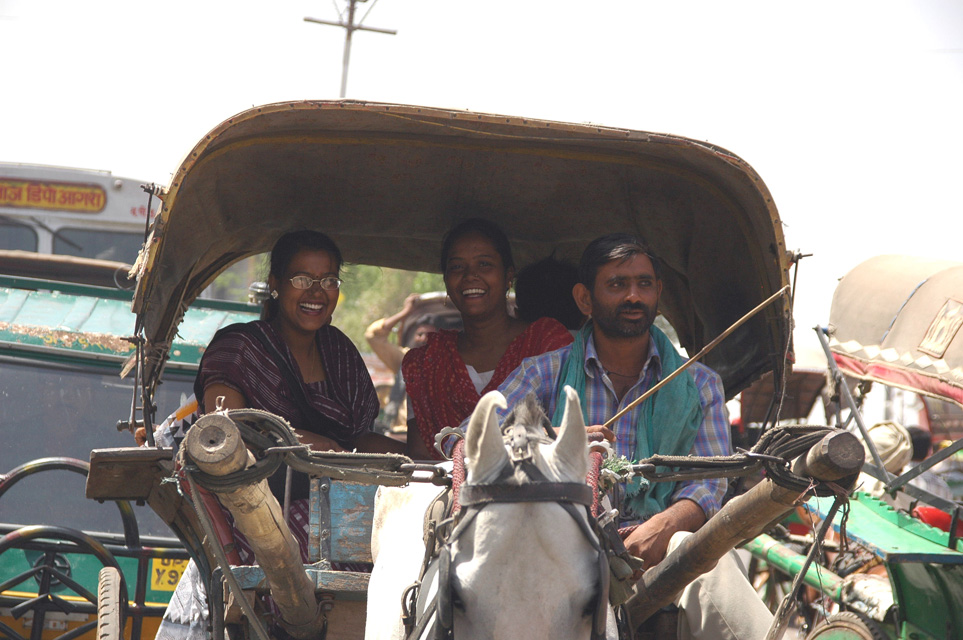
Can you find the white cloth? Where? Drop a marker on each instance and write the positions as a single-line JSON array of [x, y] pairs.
[[479, 378], [186, 615], [721, 604]]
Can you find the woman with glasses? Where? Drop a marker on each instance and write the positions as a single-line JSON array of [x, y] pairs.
[[294, 363]]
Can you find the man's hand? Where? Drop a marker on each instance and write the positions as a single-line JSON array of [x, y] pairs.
[[651, 539], [607, 433]]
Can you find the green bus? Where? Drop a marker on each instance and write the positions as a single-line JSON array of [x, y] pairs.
[[63, 348]]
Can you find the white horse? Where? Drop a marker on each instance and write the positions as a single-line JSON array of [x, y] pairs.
[[523, 562]]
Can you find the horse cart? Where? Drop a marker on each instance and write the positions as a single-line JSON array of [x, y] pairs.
[[64, 329], [386, 182], [897, 567]]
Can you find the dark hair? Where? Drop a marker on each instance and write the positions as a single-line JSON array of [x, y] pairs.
[[431, 320], [287, 247], [544, 289], [922, 442], [614, 246], [483, 227], [290, 243]]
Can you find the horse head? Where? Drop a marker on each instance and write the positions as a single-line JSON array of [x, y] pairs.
[[524, 559]]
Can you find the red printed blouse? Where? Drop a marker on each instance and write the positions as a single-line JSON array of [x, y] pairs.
[[437, 381]]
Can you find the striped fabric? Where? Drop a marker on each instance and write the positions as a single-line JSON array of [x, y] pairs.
[[237, 359]]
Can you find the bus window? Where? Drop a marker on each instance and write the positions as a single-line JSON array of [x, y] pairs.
[[48, 409], [120, 246], [15, 236]]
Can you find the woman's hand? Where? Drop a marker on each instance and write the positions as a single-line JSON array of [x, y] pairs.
[[318, 443]]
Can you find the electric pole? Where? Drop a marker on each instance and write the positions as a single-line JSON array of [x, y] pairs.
[[350, 27]]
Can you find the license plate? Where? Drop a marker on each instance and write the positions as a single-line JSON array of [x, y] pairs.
[[165, 572]]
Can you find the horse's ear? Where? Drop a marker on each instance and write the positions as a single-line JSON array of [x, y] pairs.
[[484, 450], [570, 450]]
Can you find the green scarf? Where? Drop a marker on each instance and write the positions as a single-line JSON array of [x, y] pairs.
[[667, 422]]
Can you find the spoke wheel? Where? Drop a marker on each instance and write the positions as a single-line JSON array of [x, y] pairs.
[[848, 625], [49, 572], [110, 605]]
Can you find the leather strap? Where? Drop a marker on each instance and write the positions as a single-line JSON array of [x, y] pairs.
[[481, 494]]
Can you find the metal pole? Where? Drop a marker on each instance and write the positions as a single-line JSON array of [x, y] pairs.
[[350, 27], [349, 31]]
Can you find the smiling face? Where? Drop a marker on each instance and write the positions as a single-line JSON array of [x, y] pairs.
[[305, 310], [475, 276], [624, 299]]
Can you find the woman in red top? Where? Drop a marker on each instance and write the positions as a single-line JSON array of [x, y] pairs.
[[446, 377]]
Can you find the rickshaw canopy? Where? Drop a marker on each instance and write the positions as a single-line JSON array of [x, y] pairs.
[[387, 181], [896, 320]]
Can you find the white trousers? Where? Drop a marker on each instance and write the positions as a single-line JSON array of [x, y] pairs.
[[721, 604]]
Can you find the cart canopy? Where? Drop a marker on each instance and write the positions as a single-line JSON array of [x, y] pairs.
[[896, 320], [387, 181]]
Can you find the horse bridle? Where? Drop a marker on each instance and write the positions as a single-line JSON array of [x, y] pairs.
[[521, 481]]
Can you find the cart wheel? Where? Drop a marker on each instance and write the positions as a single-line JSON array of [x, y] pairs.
[[110, 606], [848, 625]]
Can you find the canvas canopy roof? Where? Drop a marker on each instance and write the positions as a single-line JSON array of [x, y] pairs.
[[896, 320], [387, 181]]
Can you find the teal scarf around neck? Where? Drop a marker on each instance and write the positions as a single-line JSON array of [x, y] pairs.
[[667, 422]]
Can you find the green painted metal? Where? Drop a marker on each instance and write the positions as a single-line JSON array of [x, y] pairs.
[[789, 562], [926, 575], [56, 321], [892, 535]]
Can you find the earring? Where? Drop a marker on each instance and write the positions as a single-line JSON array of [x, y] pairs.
[[274, 294]]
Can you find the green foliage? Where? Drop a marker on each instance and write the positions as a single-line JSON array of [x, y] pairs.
[[369, 293]]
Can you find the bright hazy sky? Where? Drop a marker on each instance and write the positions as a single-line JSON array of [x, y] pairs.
[[850, 111]]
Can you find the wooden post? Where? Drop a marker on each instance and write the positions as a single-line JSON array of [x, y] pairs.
[[838, 455], [215, 445]]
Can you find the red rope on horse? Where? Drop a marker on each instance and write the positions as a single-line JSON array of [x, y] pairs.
[[592, 479], [457, 474]]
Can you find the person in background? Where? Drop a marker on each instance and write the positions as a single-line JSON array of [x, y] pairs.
[[391, 354], [895, 448], [446, 377], [379, 332], [928, 480], [543, 289]]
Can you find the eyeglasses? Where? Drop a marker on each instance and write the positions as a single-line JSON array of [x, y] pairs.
[[329, 283]]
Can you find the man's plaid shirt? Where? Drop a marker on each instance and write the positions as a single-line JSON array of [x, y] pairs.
[[540, 373]]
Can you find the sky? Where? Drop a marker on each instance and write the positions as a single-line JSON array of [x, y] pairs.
[[849, 110]]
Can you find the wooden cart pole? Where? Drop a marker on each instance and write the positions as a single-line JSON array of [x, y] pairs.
[[838, 455], [216, 447]]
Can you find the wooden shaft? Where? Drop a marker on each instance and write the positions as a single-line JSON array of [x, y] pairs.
[[742, 518], [215, 445]]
